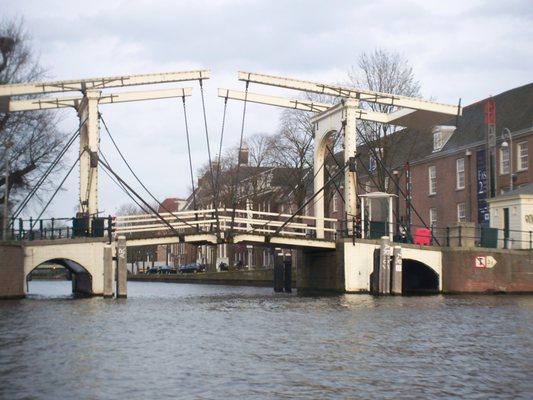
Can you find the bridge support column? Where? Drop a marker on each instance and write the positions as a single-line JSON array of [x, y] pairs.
[[89, 143], [108, 271], [350, 149], [396, 286], [122, 277], [385, 251]]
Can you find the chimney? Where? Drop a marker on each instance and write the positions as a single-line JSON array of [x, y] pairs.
[[243, 156]]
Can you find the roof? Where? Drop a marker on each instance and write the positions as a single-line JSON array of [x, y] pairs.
[[514, 110], [171, 204], [524, 190]]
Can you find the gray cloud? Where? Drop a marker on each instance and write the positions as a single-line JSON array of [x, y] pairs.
[[458, 49]]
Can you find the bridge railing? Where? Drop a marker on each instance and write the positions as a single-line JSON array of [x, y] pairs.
[[240, 221], [467, 235], [60, 228]]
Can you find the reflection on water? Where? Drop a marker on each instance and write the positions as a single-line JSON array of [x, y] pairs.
[[198, 341]]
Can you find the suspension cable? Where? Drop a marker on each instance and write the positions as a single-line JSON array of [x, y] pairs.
[[112, 178], [378, 159], [57, 190], [302, 183], [217, 179], [236, 180], [137, 178], [209, 156], [189, 152], [45, 175], [106, 166], [278, 230]]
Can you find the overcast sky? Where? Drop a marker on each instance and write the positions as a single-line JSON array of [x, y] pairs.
[[458, 49]]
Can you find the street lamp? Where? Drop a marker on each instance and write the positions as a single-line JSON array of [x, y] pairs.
[[510, 146], [6, 46]]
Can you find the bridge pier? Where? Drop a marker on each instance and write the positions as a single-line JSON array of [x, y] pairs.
[[108, 272], [122, 272]]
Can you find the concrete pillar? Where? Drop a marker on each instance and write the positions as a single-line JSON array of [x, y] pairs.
[[108, 271], [89, 141], [396, 285], [122, 273], [384, 265], [350, 148]]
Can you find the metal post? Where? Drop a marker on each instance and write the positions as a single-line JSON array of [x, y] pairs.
[[108, 271], [121, 267], [109, 228], [460, 236], [396, 286], [384, 265], [31, 229], [52, 231], [5, 224], [21, 227], [41, 229], [447, 236]]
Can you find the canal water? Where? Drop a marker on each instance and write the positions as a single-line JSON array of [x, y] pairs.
[[179, 341]]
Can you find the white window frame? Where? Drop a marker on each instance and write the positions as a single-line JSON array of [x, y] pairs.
[[461, 212], [460, 177], [334, 200], [433, 217], [432, 178], [437, 140], [504, 161], [522, 160]]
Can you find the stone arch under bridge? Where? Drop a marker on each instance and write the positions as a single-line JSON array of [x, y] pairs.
[[358, 261], [85, 259]]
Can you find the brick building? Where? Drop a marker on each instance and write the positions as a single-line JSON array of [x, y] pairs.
[[448, 165]]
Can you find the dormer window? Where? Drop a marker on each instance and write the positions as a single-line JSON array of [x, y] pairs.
[[441, 135]]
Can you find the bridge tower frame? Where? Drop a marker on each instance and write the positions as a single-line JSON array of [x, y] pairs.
[[409, 112], [87, 106]]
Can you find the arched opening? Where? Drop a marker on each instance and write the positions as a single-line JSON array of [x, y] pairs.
[[418, 278], [59, 277]]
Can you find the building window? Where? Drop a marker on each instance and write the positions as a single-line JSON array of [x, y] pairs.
[[523, 160], [504, 160], [432, 217], [432, 172], [461, 212], [334, 201], [460, 173]]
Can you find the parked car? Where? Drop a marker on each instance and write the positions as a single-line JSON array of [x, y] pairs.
[[189, 268], [153, 271]]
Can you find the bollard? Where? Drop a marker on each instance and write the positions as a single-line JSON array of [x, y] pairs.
[[108, 271], [121, 268], [384, 265], [396, 286], [287, 266]]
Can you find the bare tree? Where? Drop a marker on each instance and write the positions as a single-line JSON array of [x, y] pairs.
[[387, 72], [34, 135]]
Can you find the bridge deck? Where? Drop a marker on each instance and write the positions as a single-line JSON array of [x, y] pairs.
[[223, 226]]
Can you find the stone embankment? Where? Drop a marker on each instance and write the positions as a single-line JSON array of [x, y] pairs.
[[262, 277]]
